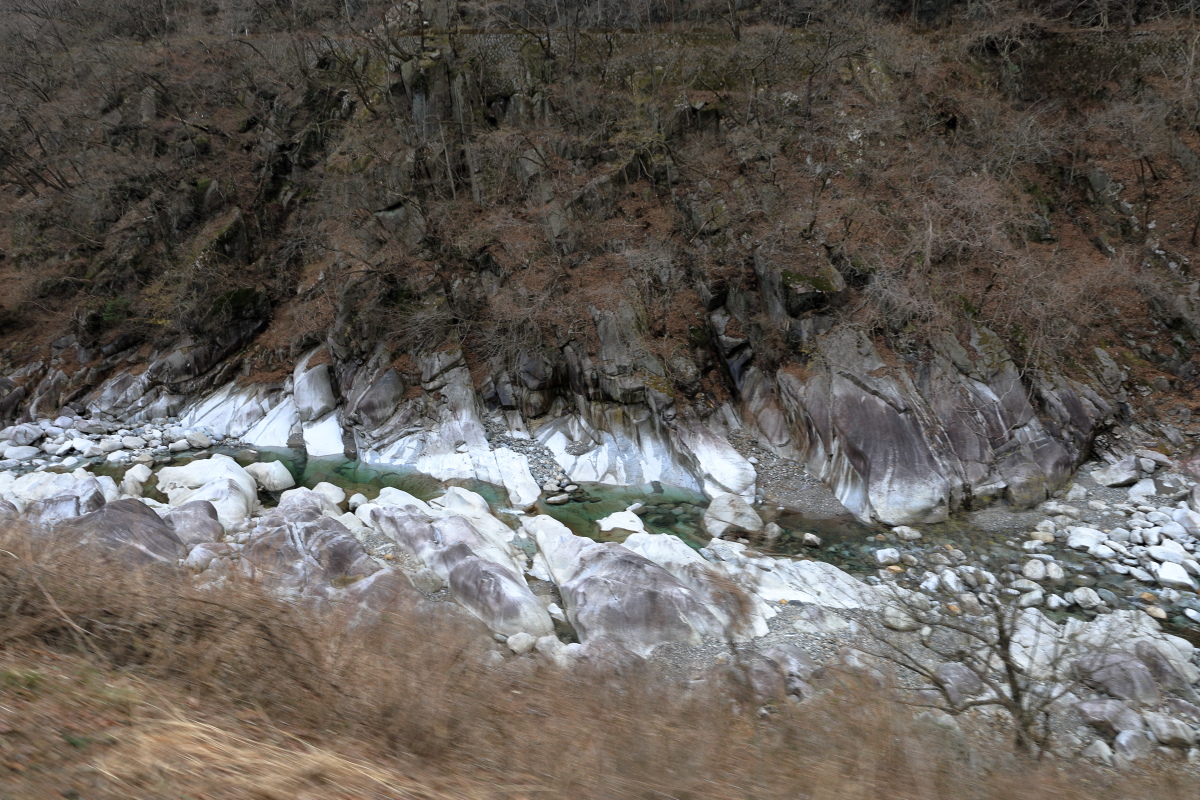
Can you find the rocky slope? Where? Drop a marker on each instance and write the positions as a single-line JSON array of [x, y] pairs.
[[387, 269], [1105, 673]]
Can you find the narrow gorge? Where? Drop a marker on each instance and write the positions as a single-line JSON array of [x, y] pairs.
[[819, 349]]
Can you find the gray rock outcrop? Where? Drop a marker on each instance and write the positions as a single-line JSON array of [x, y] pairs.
[[194, 522], [904, 448], [613, 593], [129, 529], [298, 548]]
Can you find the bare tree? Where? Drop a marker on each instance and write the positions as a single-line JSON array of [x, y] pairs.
[[1005, 657]]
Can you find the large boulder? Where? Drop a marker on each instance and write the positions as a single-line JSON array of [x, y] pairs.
[[128, 527], [135, 476], [669, 552], [614, 593], [1123, 473], [720, 468], [1110, 716], [49, 512], [202, 555], [385, 590], [741, 615], [227, 497], [1136, 633], [83, 497], [23, 435], [194, 522], [494, 594], [557, 546], [313, 393], [427, 539], [1170, 732], [409, 529], [481, 541], [1162, 666], [761, 676], [378, 402], [1187, 519], [621, 520], [35, 486], [1174, 576], [1120, 675], [218, 479], [1132, 745], [523, 491], [1037, 644], [462, 502], [390, 496], [299, 548], [958, 682], [730, 511], [1080, 538], [271, 476]]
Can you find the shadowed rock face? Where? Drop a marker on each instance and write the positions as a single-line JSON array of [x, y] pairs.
[[483, 573], [128, 527], [385, 590], [1120, 675], [1110, 716], [378, 401], [412, 531], [314, 393], [616, 594], [1160, 667], [958, 682], [898, 443], [908, 447]]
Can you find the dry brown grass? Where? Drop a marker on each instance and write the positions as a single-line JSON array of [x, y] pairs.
[[181, 755], [177, 692]]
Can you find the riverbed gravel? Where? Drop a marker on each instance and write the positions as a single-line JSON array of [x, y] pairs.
[[786, 483]]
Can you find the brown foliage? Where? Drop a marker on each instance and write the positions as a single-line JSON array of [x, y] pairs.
[[947, 172]]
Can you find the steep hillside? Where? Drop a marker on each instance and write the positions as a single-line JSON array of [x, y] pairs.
[[889, 251]]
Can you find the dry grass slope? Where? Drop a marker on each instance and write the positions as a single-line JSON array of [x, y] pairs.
[[120, 683]]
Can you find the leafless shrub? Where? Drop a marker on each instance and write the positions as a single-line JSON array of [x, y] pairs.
[[999, 657]]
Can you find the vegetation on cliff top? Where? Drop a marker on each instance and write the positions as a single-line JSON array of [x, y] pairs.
[[495, 175]]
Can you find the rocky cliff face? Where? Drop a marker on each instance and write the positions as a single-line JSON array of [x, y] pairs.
[[898, 445]]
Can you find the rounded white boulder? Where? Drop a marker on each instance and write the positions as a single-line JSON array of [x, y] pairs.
[[624, 520], [271, 476], [334, 494], [730, 511]]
